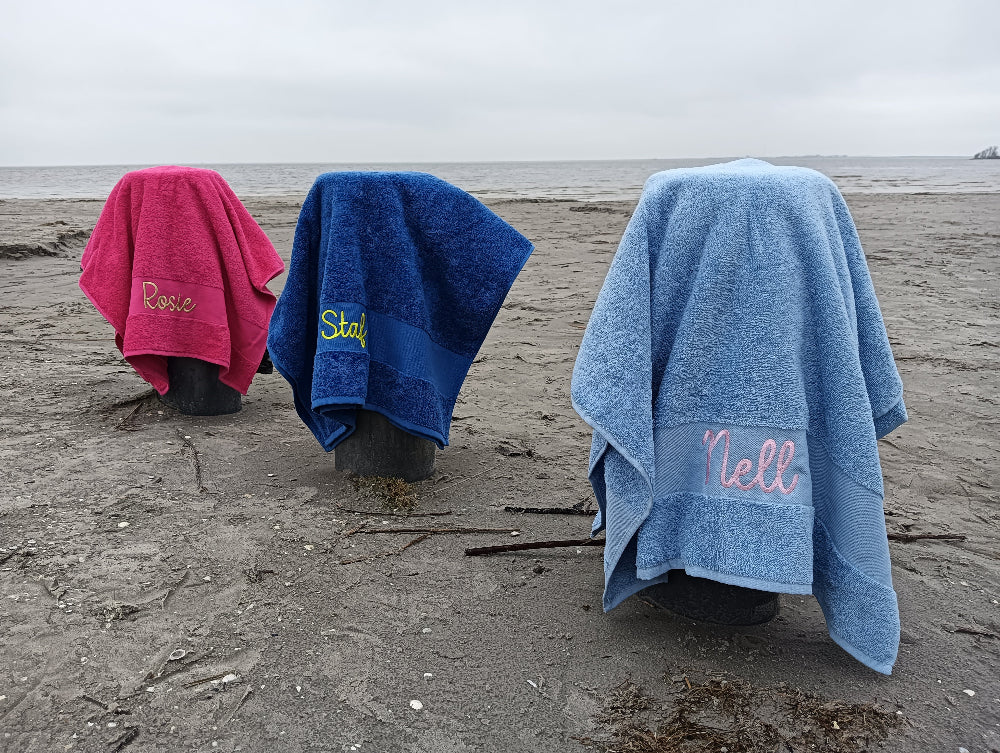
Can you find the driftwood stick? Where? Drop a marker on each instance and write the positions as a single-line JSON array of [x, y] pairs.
[[96, 701], [475, 551], [123, 424], [550, 510], [157, 675], [352, 560], [376, 514], [140, 398], [973, 631], [203, 680], [137, 401], [239, 705], [415, 541], [918, 536], [197, 460], [386, 554], [437, 530]]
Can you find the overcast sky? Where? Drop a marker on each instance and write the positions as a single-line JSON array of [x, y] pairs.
[[297, 81]]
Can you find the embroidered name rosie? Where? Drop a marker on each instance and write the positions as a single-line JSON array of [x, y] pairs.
[[355, 330], [151, 299]]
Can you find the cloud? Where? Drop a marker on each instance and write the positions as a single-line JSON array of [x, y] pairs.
[[336, 81]]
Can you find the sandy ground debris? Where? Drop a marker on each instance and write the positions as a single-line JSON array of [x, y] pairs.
[[175, 583]]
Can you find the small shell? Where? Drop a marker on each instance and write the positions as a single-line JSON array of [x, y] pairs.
[[178, 654]]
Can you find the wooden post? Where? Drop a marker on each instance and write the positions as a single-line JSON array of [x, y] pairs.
[[195, 389], [378, 448], [710, 601]]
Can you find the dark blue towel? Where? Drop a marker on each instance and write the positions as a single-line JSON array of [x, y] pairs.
[[394, 281], [736, 372]]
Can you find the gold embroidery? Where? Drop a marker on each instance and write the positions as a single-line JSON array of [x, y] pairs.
[[356, 330], [152, 300]]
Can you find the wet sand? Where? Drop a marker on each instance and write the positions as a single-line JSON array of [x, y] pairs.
[[128, 532]]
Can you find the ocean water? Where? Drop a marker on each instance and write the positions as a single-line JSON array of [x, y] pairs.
[[584, 180]]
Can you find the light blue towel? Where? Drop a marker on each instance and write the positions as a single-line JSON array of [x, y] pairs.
[[394, 282], [736, 372]]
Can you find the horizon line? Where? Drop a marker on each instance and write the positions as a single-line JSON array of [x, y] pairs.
[[493, 162]]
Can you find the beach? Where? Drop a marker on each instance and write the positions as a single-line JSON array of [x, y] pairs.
[[130, 534]]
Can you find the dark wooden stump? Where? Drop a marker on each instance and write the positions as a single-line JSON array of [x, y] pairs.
[[378, 448], [195, 389], [710, 601]]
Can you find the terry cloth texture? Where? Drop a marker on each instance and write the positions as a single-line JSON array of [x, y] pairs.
[[394, 281], [736, 372], [178, 267]]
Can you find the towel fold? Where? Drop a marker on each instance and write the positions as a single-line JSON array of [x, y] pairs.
[[737, 372], [394, 281], [178, 267]]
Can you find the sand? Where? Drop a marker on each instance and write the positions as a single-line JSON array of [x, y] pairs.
[[129, 532]]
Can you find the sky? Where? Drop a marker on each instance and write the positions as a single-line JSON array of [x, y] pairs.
[[102, 82]]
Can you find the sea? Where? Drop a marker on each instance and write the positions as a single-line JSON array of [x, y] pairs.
[[593, 180]]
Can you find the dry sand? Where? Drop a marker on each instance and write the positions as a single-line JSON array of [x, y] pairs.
[[128, 532]]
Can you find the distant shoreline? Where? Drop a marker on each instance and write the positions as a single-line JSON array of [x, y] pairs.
[[588, 180]]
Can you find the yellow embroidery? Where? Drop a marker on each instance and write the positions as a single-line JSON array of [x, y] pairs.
[[151, 300], [355, 330]]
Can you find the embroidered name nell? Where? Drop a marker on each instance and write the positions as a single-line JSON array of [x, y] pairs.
[[151, 299], [355, 330], [744, 466]]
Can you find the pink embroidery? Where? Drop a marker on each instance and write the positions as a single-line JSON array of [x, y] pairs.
[[742, 469], [783, 464], [744, 466], [763, 463], [725, 455]]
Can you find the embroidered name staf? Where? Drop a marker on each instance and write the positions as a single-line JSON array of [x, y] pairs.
[[343, 328]]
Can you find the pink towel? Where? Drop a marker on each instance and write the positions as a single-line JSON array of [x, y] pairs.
[[178, 267]]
